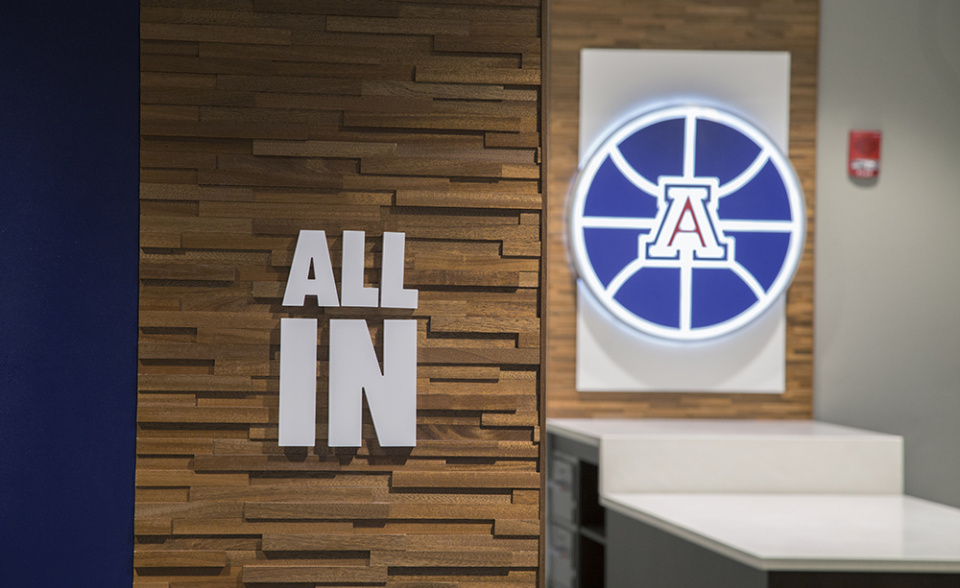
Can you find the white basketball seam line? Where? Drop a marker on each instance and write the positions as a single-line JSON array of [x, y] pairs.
[[748, 278], [632, 175], [616, 222], [724, 225], [623, 275], [746, 175], [686, 295], [689, 144], [755, 226]]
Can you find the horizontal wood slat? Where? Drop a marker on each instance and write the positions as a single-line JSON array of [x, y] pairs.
[[262, 118], [287, 573]]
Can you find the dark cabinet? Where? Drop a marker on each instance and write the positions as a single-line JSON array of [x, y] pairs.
[[575, 520]]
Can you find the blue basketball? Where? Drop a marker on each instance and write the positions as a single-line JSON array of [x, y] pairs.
[[687, 223]]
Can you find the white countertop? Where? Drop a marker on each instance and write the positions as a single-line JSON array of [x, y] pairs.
[[775, 495], [874, 533]]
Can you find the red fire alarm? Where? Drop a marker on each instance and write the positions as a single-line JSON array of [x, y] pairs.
[[864, 155]]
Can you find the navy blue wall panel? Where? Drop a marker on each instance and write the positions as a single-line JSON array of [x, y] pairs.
[[68, 291]]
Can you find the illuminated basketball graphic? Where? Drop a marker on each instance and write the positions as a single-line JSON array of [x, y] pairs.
[[687, 223]]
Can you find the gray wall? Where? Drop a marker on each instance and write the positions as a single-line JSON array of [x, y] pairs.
[[888, 252]]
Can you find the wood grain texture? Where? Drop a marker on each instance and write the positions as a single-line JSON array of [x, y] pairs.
[[260, 118], [759, 25]]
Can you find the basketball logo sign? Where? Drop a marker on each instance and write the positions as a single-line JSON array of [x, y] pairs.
[[687, 223]]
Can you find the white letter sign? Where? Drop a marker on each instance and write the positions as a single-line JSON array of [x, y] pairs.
[[352, 290], [311, 249], [354, 369], [391, 395], [392, 292], [298, 382]]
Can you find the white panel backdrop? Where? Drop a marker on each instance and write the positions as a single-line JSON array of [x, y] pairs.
[[615, 86]]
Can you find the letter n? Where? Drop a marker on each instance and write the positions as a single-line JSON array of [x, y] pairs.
[[391, 395]]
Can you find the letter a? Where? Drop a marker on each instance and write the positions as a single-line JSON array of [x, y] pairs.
[[685, 214], [311, 250], [687, 225]]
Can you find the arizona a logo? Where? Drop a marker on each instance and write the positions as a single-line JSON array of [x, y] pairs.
[[687, 223]]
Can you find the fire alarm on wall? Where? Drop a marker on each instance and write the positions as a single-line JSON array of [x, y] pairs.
[[864, 154]]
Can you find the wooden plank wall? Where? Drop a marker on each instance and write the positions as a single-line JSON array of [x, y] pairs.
[[260, 118], [761, 25]]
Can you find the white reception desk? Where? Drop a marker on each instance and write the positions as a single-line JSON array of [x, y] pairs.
[[756, 503]]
